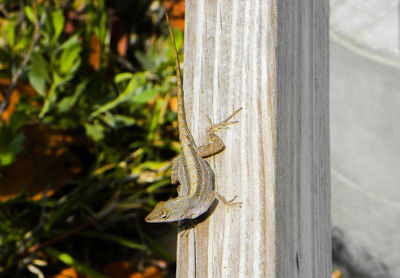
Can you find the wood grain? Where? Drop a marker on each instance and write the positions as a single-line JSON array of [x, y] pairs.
[[271, 58]]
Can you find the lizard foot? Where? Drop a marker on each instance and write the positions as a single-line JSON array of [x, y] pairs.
[[223, 124], [230, 203]]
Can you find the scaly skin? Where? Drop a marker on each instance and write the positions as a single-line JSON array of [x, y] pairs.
[[196, 192]]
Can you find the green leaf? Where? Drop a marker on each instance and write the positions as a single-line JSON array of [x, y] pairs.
[[125, 120], [145, 96], [115, 121], [96, 132], [109, 120], [38, 83], [145, 61], [67, 102], [6, 158], [38, 75], [123, 76], [154, 120], [69, 57], [101, 27], [29, 14], [178, 36], [10, 30], [57, 18], [51, 97], [40, 65], [70, 261], [157, 185], [69, 123], [9, 153], [70, 42], [134, 87], [17, 120]]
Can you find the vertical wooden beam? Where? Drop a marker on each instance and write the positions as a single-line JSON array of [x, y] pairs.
[[271, 58]]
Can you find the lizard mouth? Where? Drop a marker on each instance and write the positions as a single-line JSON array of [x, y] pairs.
[[148, 218]]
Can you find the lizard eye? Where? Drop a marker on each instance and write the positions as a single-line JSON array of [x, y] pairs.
[[165, 214]]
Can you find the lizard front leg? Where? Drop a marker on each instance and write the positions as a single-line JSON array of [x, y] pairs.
[[176, 163], [215, 146]]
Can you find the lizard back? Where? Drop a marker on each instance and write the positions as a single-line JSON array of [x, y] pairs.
[[194, 174]]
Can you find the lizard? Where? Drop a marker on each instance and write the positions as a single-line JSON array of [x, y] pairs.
[[196, 191]]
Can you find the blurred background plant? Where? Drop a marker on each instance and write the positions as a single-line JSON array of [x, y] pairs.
[[87, 134]]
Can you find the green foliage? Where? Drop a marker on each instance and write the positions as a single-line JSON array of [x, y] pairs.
[[11, 139], [71, 261], [123, 114]]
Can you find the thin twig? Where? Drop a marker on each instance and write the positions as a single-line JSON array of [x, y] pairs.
[[14, 80], [58, 238], [4, 11]]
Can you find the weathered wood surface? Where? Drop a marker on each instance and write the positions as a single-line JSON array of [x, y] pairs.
[[271, 58]]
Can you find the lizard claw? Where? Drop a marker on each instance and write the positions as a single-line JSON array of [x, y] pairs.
[[229, 203], [185, 233], [209, 120]]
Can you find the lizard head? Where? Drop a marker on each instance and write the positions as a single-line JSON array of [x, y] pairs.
[[165, 212]]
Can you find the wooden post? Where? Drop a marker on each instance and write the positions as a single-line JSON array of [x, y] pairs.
[[271, 58]]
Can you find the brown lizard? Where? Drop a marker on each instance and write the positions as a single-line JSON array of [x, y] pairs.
[[196, 191]]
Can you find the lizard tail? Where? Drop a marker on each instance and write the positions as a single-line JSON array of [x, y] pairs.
[[182, 123]]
